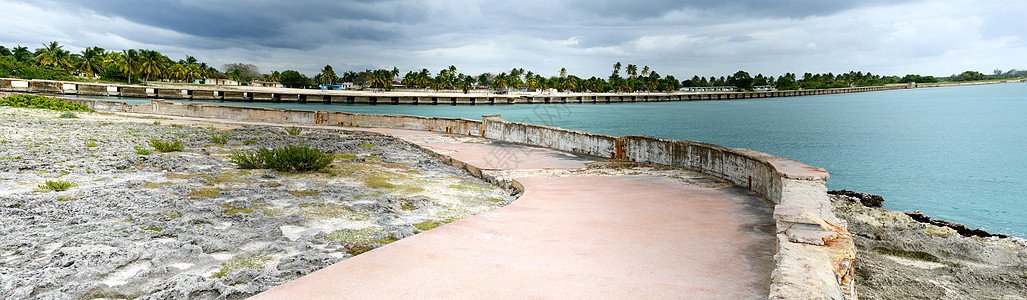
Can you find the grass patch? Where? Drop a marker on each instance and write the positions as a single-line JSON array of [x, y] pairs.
[[156, 122], [235, 210], [218, 139], [62, 199], [248, 260], [59, 185], [206, 193], [494, 200], [155, 185], [427, 225], [368, 195], [176, 125], [326, 211], [294, 131], [162, 146], [68, 115], [249, 142], [10, 157], [345, 156], [367, 145], [274, 184], [91, 143], [301, 194], [154, 229]]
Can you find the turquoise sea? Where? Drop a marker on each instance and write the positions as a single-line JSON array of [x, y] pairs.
[[955, 153]]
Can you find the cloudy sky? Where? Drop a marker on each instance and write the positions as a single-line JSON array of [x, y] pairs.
[[673, 37]]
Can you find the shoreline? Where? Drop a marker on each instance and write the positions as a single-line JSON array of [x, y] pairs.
[[902, 258], [875, 201]]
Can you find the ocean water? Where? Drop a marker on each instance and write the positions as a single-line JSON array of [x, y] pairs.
[[955, 153]]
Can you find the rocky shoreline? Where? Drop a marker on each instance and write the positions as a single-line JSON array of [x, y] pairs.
[[192, 225], [899, 257]]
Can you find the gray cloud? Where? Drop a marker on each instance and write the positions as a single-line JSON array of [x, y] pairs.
[[673, 37]]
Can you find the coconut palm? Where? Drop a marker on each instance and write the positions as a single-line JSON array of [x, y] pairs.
[[563, 72], [645, 70], [54, 55], [91, 62], [21, 53], [274, 76], [632, 71], [151, 62], [616, 69], [128, 63]]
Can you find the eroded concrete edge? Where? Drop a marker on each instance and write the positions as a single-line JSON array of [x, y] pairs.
[[816, 255]]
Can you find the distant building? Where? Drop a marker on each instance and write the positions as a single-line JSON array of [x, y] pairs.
[[763, 88], [350, 86], [331, 86], [219, 81], [266, 84], [707, 89]]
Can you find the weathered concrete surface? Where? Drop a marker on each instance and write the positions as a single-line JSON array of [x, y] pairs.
[[507, 156], [573, 237]]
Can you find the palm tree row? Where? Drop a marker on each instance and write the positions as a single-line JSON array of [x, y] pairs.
[[152, 65], [96, 62]]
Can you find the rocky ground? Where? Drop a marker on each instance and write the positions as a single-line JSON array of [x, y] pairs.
[[192, 225], [899, 258]]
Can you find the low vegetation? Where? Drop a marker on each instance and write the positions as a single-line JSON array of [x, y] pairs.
[[37, 101], [284, 159], [69, 115], [58, 185], [162, 146]]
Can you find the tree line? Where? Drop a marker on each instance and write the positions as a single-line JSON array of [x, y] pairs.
[[53, 62]]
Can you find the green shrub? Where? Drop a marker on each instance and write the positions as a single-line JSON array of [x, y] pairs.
[[162, 146], [294, 130], [156, 122], [249, 159], [142, 151], [91, 143], [218, 139], [59, 185], [37, 101], [284, 159], [69, 115]]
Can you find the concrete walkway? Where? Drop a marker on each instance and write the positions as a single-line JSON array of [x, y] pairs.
[[569, 236]]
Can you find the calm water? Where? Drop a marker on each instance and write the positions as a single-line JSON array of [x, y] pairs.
[[955, 153]]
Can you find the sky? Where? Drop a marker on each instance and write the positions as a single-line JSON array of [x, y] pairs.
[[672, 37]]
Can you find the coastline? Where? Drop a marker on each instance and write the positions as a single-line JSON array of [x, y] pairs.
[[902, 258]]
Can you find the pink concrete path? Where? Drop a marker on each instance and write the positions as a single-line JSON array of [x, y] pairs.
[[642, 236]]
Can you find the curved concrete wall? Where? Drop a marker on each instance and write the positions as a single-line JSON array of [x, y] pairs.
[[815, 252]]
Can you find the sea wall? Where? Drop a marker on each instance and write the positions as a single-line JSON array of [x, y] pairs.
[[815, 252]]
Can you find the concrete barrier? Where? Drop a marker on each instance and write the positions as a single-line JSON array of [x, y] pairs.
[[92, 90], [170, 93], [551, 137], [205, 95], [128, 91], [52, 87]]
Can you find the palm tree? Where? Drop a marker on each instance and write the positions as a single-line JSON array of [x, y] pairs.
[[327, 75], [53, 55], [274, 76], [151, 62], [128, 62], [21, 53], [645, 70], [616, 69], [91, 62], [632, 71], [563, 72]]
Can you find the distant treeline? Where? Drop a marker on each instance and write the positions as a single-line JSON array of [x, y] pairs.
[[52, 62]]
